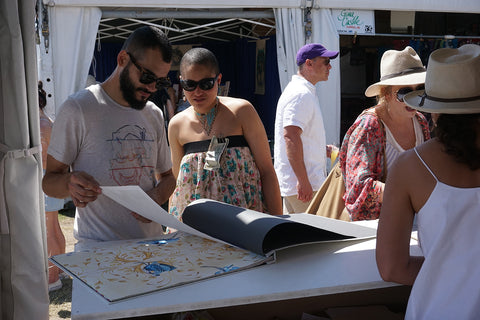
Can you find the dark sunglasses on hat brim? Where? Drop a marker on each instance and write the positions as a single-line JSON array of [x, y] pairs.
[[204, 84], [402, 92], [147, 77]]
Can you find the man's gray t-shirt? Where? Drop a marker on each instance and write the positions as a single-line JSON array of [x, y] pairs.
[[117, 146]]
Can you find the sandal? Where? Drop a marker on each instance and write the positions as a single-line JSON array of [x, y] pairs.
[[55, 286]]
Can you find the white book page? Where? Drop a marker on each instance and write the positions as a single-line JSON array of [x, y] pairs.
[[348, 228], [135, 199]]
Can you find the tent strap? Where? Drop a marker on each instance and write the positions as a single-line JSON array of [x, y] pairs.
[[19, 153], [11, 154]]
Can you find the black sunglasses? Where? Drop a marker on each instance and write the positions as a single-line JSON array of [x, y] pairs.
[[326, 61], [204, 84], [148, 77], [402, 92]]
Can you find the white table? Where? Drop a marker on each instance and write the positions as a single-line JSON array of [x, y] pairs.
[[300, 277]]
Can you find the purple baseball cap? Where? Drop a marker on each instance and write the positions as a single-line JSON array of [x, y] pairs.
[[313, 50]]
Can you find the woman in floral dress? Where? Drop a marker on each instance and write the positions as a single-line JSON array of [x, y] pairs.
[[219, 147]]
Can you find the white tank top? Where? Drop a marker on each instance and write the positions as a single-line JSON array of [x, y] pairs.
[[448, 284], [393, 148]]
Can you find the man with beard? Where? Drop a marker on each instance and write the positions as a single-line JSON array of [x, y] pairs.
[[110, 134]]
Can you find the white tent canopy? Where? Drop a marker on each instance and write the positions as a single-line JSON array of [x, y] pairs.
[[184, 4], [465, 6]]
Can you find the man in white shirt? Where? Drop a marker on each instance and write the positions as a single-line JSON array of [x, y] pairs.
[[300, 145]]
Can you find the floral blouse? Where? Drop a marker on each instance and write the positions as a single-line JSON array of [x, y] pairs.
[[362, 162]]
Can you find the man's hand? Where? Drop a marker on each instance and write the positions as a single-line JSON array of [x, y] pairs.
[[304, 191], [160, 193], [140, 218], [332, 150], [294, 146], [83, 188], [154, 194]]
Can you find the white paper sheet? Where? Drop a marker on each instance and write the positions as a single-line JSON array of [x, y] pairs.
[[135, 199]]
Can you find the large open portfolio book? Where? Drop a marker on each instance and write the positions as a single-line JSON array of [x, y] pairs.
[[214, 239]]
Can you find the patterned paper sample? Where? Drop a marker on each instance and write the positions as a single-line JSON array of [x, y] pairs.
[[123, 269]]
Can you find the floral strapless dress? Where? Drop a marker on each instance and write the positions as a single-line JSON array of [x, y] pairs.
[[236, 181]]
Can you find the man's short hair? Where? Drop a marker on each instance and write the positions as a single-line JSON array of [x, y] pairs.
[[148, 37]]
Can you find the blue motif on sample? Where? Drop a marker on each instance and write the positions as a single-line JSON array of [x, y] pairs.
[[226, 269], [156, 268], [158, 242]]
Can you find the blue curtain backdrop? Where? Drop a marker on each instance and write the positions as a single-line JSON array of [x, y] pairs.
[[237, 64]]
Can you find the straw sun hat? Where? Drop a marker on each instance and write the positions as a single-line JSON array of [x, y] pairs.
[[452, 84], [398, 68]]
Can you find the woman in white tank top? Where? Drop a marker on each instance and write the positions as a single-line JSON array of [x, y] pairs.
[[439, 183]]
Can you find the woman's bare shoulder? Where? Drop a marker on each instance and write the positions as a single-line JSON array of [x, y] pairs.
[[235, 104], [411, 160], [182, 116], [411, 165]]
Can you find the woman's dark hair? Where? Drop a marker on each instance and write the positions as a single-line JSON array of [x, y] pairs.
[[42, 96], [459, 134]]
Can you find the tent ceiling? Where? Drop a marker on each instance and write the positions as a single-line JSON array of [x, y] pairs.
[[189, 25]]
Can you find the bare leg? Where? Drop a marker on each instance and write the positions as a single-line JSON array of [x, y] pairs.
[[55, 243]]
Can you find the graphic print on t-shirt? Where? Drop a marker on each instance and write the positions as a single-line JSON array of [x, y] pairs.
[[131, 146]]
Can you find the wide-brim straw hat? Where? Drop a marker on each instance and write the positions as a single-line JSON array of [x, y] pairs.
[[452, 84], [398, 68]]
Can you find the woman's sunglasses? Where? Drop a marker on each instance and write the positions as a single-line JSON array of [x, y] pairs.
[[147, 77], [204, 84], [402, 92]]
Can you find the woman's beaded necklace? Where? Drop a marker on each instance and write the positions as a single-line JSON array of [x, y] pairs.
[[208, 119]]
